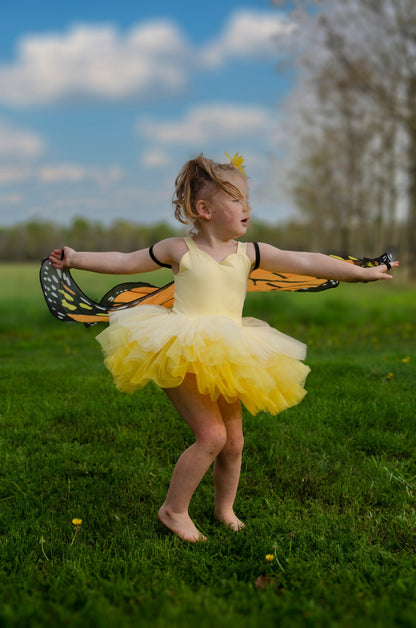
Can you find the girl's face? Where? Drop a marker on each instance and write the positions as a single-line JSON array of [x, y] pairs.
[[229, 214]]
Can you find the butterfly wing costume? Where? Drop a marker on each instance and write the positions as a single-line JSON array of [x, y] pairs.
[[195, 325]]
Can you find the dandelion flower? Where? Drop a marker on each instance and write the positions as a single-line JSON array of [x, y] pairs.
[[269, 557], [77, 522], [406, 359], [389, 375]]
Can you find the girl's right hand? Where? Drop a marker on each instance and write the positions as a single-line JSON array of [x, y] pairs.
[[61, 258]]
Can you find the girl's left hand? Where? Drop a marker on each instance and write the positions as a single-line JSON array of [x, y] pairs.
[[378, 272]]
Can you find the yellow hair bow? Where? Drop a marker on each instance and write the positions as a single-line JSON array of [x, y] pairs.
[[237, 161]]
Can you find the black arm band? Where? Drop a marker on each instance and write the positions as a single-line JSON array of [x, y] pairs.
[[156, 261], [257, 249]]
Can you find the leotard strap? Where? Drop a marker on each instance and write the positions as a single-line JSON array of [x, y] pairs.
[[156, 261], [257, 261]]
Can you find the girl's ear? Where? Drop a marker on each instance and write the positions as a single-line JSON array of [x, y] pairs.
[[203, 209]]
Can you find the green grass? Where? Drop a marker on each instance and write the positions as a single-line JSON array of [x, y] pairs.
[[328, 487]]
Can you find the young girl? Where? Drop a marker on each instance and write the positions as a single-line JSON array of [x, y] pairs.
[[202, 353]]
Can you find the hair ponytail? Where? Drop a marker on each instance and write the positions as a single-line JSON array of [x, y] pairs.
[[200, 178]]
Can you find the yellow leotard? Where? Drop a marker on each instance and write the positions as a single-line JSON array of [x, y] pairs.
[[204, 334]]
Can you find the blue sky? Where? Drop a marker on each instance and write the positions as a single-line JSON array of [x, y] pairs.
[[101, 103]]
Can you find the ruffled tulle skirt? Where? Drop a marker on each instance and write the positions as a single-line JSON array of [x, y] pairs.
[[250, 361]]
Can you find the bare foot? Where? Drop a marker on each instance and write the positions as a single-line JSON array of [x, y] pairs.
[[181, 524], [230, 520]]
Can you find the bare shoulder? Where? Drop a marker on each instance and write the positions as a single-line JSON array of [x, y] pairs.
[[170, 250], [251, 252]]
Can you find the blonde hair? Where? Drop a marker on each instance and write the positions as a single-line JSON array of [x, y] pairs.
[[200, 178]]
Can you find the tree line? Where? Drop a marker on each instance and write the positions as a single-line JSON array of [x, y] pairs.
[[32, 241]]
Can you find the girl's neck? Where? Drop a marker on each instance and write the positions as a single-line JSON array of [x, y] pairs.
[[210, 239]]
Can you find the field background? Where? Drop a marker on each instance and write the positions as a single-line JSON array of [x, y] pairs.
[[328, 487]]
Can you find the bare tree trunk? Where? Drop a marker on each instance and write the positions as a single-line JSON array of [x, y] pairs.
[[411, 220]]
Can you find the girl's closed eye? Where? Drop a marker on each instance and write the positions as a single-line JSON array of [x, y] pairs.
[[244, 202]]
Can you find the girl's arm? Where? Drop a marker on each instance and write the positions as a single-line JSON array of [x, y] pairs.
[[318, 265], [111, 262], [114, 262]]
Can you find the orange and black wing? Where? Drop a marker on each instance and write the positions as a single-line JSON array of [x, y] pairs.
[[265, 281], [134, 293], [67, 301]]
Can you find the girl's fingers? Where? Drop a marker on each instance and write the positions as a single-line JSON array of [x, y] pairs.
[[56, 257]]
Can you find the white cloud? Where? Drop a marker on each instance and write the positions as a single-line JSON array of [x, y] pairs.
[[74, 173], [205, 124], [61, 174], [153, 58], [156, 158], [10, 175], [249, 34], [96, 61], [10, 199], [20, 143]]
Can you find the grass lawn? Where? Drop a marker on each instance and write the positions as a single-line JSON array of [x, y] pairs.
[[328, 488]]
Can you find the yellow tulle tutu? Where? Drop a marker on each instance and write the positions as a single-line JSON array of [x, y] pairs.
[[204, 334], [251, 361]]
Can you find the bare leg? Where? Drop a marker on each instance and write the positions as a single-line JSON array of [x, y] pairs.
[[204, 418], [227, 465]]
